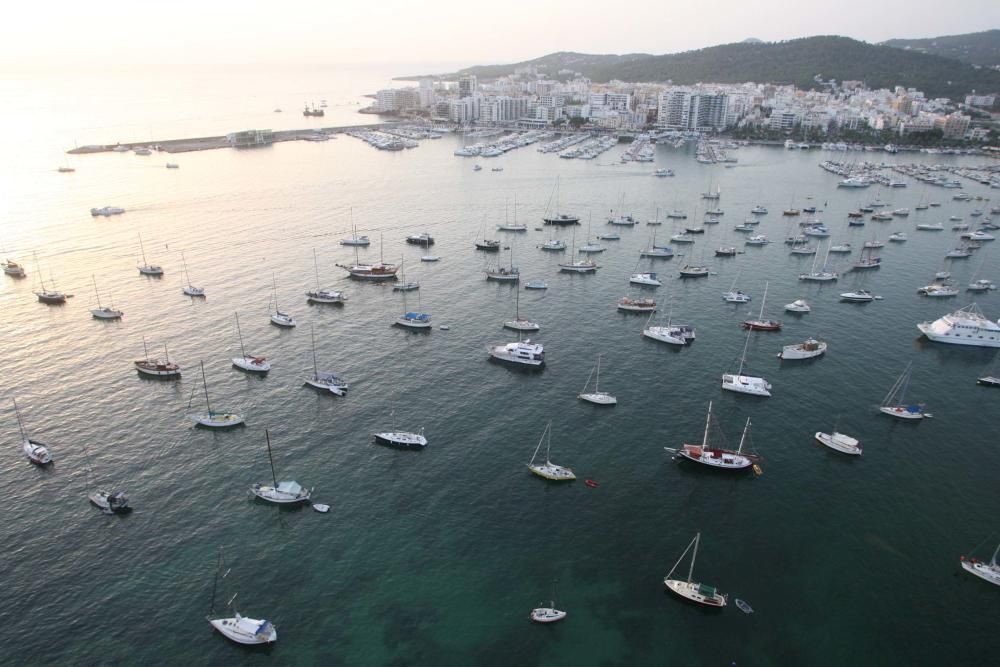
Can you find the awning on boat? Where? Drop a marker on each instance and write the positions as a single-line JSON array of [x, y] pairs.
[[292, 488], [707, 591]]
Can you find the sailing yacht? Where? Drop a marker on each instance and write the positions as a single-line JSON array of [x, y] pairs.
[[405, 286], [558, 218], [508, 226], [146, 268], [822, 275], [400, 438], [213, 419], [37, 452], [895, 405], [579, 265], [692, 590], [189, 289], [597, 396], [520, 323], [373, 272], [717, 457], [46, 295], [987, 571], [240, 629], [323, 295], [746, 384], [280, 493], [548, 614], [759, 323], [510, 274], [735, 295], [279, 317], [653, 250], [355, 240], [674, 334], [156, 367], [104, 312], [549, 470], [324, 380], [12, 268], [246, 361]]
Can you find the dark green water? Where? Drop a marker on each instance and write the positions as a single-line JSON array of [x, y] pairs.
[[436, 557]]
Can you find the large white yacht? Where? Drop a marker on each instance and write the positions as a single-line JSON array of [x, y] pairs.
[[522, 352], [965, 326]]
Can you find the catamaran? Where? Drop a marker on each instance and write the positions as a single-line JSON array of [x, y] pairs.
[[822, 275], [895, 405], [674, 334], [246, 361], [280, 493], [745, 384], [549, 470], [597, 396], [692, 590]]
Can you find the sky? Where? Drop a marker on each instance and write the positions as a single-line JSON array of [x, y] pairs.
[[463, 32]]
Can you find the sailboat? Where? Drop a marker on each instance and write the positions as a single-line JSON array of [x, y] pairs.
[[991, 378], [37, 452], [653, 250], [559, 218], [108, 501], [190, 289], [591, 246], [759, 323], [579, 265], [104, 312], [405, 286], [656, 220], [510, 274], [400, 438], [519, 323], [597, 396], [692, 590], [735, 295], [323, 295], [240, 629], [279, 317], [355, 240], [45, 295], [746, 384], [549, 470], [988, 571], [823, 275], [543, 614], [374, 272], [245, 361], [508, 226], [13, 269], [146, 268], [714, 456], [155, 367], [326, 380], [213, 419], [894, 404], [675, 334], [280, 493]]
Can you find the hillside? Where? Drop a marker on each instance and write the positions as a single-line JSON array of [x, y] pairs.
[[977, 48], [796, 61]]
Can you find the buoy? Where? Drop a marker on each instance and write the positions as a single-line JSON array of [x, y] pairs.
[[591, 483]]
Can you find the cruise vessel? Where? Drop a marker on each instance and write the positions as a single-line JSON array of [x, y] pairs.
[[965, 326]]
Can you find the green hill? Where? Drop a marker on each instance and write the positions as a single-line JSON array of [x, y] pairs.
[[796, 61], [977, 48]]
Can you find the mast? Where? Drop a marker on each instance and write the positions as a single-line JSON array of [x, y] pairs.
[[240, 334], [20, 426], [312, 334], [204, 381], [96, 293], [743, 437], [539, 446], [993, 561], [548, 443], [166, 354], [764, 298], [186, 276], [274, 477], [316, 268], [697, 538], [143, 251], [597, 382], [274, 286], [145, 350], [708, 422], [743, 358]]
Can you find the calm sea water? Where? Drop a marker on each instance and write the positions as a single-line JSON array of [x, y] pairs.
[[436, 557]]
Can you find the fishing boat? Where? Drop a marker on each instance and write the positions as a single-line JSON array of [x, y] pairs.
[[693, 271], [857, 296], [280, 493], [146, 268], [372, 272], [279, 317], [745, 384], [237, 628], [644, 305], [597, 396], [324, 380], [965, 326], [522, 352], [714, 456], [648, 279], [798, 306], [156, 367], [245, 361], [189, 289], [987, 571], [37, 452], [560, 219], [12, 268], [549, 470], [895, 404], [46, 295], [212, 419], [840, 442], [805, 350], [320, 295], [759, 323], [520, 323], [689, 589], [104, 312]]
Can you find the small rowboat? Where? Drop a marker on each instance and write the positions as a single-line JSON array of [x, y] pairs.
[[322, 509], [591, 483], [744, 606]]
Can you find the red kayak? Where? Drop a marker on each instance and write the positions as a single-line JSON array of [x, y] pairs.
[[592, 484]]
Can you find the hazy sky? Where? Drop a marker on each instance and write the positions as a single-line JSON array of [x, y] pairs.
[[457, 31]]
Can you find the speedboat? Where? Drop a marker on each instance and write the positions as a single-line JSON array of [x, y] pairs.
[[861, 295], [806, 350], [798, 306], [758, 210], [645, 279], [522, 352], [840, 442]]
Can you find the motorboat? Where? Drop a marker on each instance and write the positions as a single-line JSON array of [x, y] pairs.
[[623, 221], [965, 326], [644, 305], [959, 253], [611, 236], [981, 285], [677, 214], [757, 239], [106, 211], [938, 290], [745, 227], [552, 245], [682, 238], [798, 306], [841, 248], [663, 172], [759, 210], [861, 296], [694, 230], [840, 442], [649, 279], [536, 284], [491, 245], [736, 296], [874, 243], [897, 237], [806, 350], [549, 470], [725, 252], [930, 226], [977, 235], [110, 502], [854, 182], [522, 352]]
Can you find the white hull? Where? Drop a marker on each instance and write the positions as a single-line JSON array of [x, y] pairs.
[[721, 459], [599, 398], [36, 452], [665, 335], [283, 320], [217, 420], [806, 350], [553, 472], [245, 630], [983, 571], [325, 296], [991, 339], [401, 439], [106, 314], [522, 325], [158, 371], [900, 412], [839, 442], [278, 496], [690, 591], [745, 384], [252, 364], [193, 291], [322, 385], [547, 615]]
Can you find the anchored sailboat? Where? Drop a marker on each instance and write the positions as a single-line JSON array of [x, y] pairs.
[[549, 470], [210, 418], [714, 456], [319, 295], [190, 289], [37, 452], [690, 589], [240, 629], [895, 405], [245, 361], [146, 268], [325, 380], [745, 384], [281, 493], [597, 396], [104, 312]]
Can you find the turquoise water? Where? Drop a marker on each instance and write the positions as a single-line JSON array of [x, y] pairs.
[[437, 556]]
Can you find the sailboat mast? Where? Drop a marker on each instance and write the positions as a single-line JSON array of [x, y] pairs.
[[597, 382], [240, 333], [312, 334], [166, 354], [548, 443], [204, 381], [20, 426], [274, 286], [184, 262], [708, 422], [743, 357], [274, 476], [142, 250], [764, 299], [96, 293], [539, 445], [145, 350], [697, 538], [744, 436], [316, 267]]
